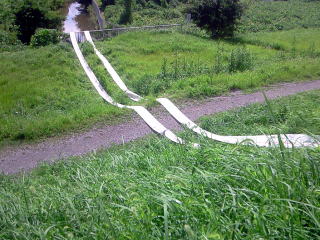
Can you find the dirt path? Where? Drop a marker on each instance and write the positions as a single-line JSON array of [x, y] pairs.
[[28, 156]]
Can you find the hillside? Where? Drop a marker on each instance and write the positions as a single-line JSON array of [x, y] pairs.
[[45, 92]]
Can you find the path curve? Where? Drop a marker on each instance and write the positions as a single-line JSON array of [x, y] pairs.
[[28, 156], [288, 140]]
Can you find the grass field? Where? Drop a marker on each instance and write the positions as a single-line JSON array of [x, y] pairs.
[[44, 92], [153, 189]]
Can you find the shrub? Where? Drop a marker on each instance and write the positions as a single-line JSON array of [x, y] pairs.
[[44, 37], [219, 17]]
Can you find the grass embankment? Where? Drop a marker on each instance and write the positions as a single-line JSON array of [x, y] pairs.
[[183, 65], [45, 92], [153, 189]]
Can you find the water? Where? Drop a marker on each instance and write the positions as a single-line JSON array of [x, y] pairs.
[[77, 17]]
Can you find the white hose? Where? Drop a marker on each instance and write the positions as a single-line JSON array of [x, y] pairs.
[[152, 122], [289, 140]]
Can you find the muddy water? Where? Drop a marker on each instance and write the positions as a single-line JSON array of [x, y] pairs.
[[78, 17]]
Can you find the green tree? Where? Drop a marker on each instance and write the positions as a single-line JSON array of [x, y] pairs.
[[219, 17], [126, 16]]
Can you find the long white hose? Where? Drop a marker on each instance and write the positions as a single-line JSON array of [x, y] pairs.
[[289, 140], [152, 122]]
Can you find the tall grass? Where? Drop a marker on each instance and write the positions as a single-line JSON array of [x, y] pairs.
[[153, 189]]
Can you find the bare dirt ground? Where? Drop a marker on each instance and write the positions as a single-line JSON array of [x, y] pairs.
[[24, 157]]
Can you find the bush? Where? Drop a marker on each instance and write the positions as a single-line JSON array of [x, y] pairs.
[[240, 60], [219, 17], [44, 37]]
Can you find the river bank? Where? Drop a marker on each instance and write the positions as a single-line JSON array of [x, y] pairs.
[[79, 16]]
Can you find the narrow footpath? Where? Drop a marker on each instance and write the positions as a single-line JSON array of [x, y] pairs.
[[27, 156]]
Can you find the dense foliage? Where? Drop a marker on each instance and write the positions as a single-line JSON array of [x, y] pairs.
[[257, 15], [22, 18]]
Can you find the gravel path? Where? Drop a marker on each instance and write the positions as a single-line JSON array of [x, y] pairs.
[[28, 156]]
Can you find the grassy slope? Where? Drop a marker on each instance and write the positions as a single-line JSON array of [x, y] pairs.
[[258, 15], [157, 190], [190, 62], [280, 15], [44, 92], [296, 114]]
